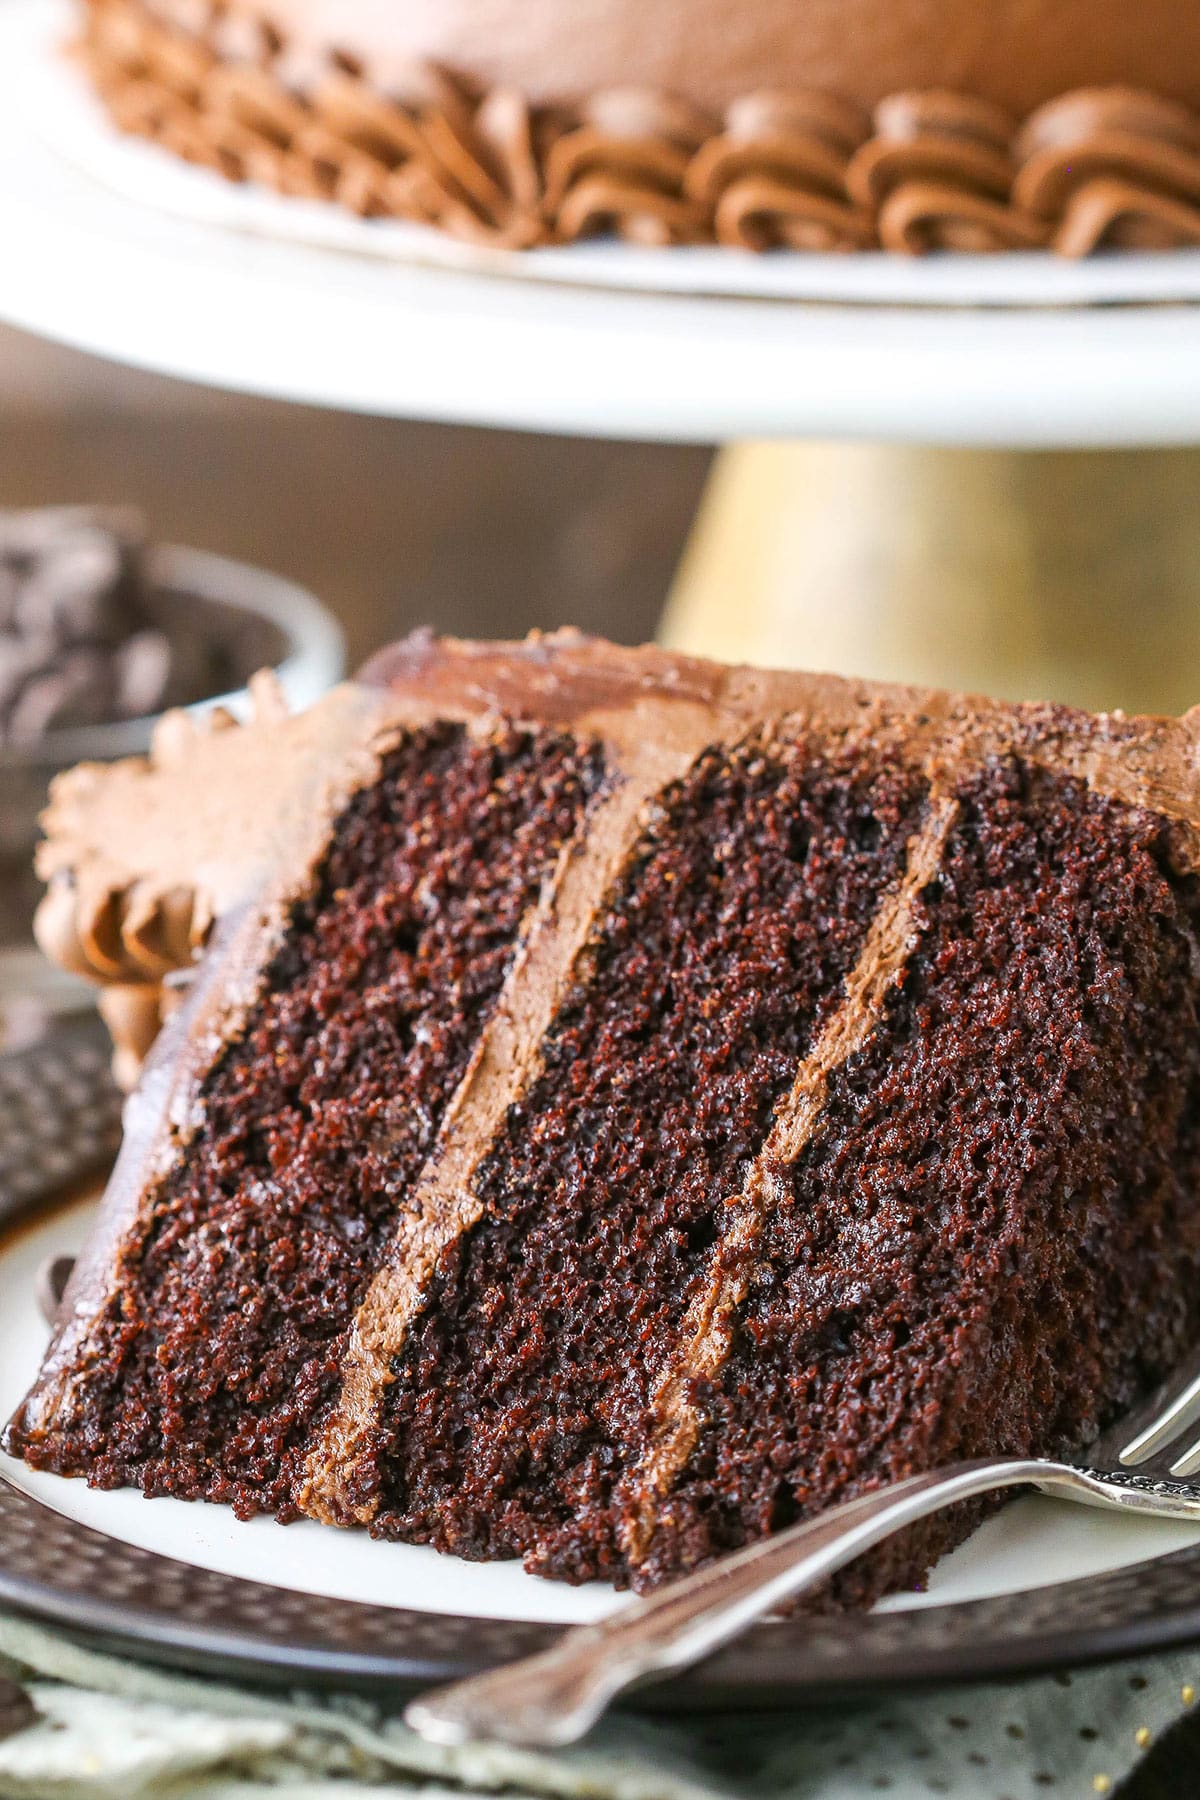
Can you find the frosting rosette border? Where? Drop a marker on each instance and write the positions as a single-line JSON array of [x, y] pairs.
[[1104, 168]]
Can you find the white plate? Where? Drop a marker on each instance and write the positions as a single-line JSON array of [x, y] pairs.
[[61, 106], [1033, 1543]]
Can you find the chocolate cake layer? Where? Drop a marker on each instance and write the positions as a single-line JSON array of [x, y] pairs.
[[255, 1253], [710, 970], [628, 1104], [993, 1240]]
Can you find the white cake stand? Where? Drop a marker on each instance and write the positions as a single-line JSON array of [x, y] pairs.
[[1074, 576]]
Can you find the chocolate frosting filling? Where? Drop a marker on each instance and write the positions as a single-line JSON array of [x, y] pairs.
[[707, 1331]]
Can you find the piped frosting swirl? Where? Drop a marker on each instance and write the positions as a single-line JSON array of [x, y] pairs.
[[1096, 169]]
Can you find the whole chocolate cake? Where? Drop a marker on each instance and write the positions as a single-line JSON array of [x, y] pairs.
[[626, 1104], [906, 125]]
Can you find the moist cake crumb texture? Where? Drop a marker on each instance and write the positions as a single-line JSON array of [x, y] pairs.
[[708, 974], [993, 1243], [854, 1130], [257, 1248]]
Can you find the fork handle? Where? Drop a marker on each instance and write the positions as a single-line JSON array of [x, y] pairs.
[[553, 1698]]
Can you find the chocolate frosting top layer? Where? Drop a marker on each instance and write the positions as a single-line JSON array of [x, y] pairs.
[[144, 855], [708, 52]]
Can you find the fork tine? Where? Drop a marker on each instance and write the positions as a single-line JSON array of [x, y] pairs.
[[1160, 1429], [1174, 1416], [1188, 1463]]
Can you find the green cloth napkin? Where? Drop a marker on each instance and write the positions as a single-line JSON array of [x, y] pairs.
[[111, 1729]]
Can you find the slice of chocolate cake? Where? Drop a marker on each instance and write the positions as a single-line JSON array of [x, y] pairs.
[[626, 1104]]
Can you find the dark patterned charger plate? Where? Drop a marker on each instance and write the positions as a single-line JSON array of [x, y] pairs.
[[122, 1596], [135, 1601]]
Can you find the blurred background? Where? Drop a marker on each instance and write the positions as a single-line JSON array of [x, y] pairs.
[[391, 524]]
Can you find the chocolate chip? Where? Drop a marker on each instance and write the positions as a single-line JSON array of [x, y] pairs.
[[142, 670], [10, 592], [17, 1710], [77, 692], [19, 659], [72, 591], [80, 639]]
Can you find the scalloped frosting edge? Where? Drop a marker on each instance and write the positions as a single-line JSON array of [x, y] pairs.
[[1096, 169]]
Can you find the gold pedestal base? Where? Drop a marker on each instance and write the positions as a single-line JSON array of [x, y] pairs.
[[1050, 575]]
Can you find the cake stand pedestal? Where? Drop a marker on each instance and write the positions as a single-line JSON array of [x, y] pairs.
[[1066, 575], [971, 561]]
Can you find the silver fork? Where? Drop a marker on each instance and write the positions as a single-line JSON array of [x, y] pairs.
[[1142, 1465]]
